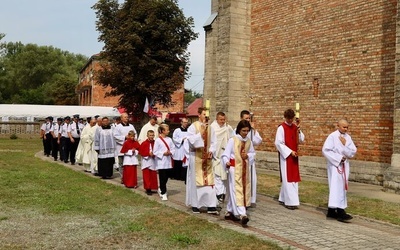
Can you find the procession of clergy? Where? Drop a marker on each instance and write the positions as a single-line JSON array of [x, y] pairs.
[[216, 162]]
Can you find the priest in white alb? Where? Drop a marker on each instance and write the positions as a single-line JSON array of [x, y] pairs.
[[85, 147]]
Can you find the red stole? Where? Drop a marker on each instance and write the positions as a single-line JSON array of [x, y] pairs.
[[144, 149], [129, 145], [166, 144], [292, 163]]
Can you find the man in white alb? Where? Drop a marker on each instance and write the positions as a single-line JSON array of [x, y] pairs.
[[337, 149]]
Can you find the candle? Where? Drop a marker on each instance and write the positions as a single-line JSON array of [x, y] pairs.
[[207, 104], [208, 108], [297, 110]]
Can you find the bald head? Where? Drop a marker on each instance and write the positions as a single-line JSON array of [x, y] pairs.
[[343, 126], [124, 118]]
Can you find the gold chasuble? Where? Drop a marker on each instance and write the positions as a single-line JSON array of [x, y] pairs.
[[203, 166], [242, 173]]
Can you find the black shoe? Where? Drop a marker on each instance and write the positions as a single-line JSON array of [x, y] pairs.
[[55, 159], [72, 163], [331, 213], [195, 210], [212, 210], [244, 220], [343, 216], [230, 216], [281, 203], [148, 192], [221, 198], [291, 207]]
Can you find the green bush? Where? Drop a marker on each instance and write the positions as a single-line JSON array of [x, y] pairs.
[[13, 137]]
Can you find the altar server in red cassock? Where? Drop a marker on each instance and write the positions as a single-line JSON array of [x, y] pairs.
[[149, 170], [288, 136], [130, 149]]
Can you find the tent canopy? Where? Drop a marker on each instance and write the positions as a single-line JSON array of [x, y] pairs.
[[43, 111]]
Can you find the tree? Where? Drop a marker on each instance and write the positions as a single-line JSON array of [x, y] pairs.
[[190, 96], [38, 74], [145, 52]]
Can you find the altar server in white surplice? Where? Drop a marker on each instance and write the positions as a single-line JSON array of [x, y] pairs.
[[337, 149], [180, 160]]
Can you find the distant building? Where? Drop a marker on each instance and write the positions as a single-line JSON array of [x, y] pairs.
[[92, 93], [191, 111]]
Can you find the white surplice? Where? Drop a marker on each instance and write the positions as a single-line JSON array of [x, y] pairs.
[[163, 161], [120, 133], [178, 137], [143, 132], [334, 151]]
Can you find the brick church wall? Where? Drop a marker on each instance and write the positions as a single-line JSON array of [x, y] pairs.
[[337, 59]]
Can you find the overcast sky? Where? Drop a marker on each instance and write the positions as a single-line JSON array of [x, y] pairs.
[[70, 25]]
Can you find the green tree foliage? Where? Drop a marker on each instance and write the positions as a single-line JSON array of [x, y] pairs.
[[145, 52], [190, 96], [35, 74]]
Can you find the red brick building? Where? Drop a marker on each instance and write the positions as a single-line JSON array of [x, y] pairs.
[[93, 94], [90, 93]]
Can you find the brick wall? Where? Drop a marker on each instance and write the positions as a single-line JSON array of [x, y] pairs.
[[337, 59], [90, 92], [93, 94]]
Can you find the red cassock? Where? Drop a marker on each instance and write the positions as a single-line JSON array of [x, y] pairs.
[[129, 176], [292, 163], [150, 180]]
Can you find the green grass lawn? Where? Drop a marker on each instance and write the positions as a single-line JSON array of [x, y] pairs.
[[316, 194], [57, 207]]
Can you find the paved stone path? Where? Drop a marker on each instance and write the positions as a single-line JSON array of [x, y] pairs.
[[304, 228]]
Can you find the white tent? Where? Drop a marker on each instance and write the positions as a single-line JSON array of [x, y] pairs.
[[43, 111]]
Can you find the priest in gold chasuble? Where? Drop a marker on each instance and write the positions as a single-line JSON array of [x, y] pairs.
[[200, 190]]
